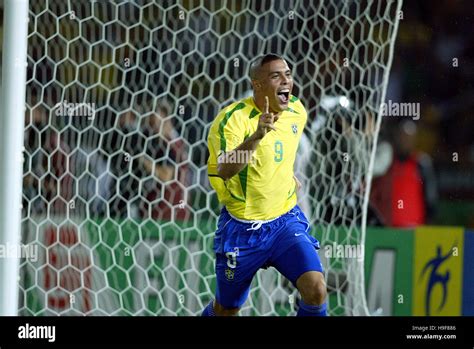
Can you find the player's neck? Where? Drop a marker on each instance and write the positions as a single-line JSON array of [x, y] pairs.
[[258, 105]]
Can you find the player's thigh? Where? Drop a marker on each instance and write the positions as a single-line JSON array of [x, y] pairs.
[[298, 259], [234, 275]]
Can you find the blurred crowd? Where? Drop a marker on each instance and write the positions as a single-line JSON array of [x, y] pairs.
[[434, 66], [138, 169]]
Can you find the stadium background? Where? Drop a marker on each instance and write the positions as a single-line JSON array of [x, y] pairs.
[[430, 36]]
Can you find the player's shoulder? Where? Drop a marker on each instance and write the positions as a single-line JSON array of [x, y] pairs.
[[235, 111], [296, 105]]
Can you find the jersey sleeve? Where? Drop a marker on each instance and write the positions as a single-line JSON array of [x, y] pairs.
[[231, 130], [226, 134]]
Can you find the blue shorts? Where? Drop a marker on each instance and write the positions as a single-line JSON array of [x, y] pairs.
[[243, 248]]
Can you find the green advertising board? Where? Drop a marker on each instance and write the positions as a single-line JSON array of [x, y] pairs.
[[388, 270]]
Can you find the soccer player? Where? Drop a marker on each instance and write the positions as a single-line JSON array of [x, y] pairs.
[[260, 224]]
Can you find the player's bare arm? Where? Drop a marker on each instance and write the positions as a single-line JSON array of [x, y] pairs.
[[298, 183]]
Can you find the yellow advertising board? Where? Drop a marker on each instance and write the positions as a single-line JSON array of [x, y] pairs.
[[438, 269]]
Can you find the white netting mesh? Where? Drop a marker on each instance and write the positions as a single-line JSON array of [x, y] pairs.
[[120, 95]]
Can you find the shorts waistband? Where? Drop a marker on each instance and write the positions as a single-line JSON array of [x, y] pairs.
[[255, 221], [257, 224]]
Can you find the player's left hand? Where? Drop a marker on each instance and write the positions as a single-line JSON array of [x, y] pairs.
[[298, 183]]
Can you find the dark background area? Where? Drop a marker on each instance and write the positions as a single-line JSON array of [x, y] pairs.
[[433, 38]]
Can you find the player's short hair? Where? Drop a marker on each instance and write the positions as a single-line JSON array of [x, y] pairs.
[[260, 62]]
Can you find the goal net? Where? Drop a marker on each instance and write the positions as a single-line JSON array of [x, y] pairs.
[[118, 215]]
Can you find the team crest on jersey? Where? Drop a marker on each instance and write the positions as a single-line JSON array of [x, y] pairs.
[[229, 274], [294, 127]]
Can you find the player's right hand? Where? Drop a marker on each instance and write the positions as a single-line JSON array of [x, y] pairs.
[[266, 121]]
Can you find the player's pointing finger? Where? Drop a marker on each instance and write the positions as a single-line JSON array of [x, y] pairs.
[[265, 108]]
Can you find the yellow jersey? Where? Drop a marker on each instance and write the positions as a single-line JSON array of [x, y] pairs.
[[265, 188]]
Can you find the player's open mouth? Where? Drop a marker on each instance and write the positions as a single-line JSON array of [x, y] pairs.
[[283, 95]]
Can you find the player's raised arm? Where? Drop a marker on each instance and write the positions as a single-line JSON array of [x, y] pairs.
[[226, 168], [266, 121]]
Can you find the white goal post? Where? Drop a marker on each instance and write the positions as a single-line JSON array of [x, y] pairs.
[[12, 111]]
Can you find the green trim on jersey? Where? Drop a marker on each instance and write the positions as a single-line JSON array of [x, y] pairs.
[[292, 110], [243, 180], [253, 113], [243, 175], [224, 122], [293, 99], [234, 196]]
